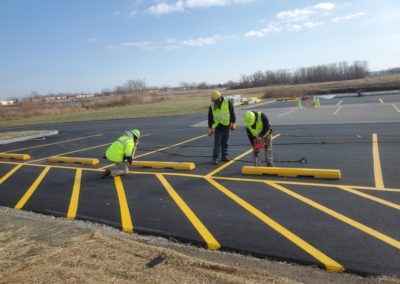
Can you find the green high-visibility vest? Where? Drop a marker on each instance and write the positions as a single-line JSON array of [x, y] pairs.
[[120, 148], [259, 126], [221, 115]]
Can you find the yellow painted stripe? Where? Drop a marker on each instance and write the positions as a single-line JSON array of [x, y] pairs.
[[377, 162], [123, 205], [288, 112], [10, 173], [370, 197], [341, 217], [337, 110], [162, 149], [73, 204], [211, 242], [55, 143], [215, 177], [302, 183], [329, 263], [32, 189], [396, 108], [217, 170]]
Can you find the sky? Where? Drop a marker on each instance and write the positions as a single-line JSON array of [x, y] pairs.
[[55, 46]]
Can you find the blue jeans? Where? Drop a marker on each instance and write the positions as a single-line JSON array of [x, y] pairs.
[[221, 138]]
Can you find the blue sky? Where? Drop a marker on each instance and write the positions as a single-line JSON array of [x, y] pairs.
[[89, 45]]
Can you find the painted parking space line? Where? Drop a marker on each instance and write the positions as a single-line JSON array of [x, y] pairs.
[[32, 189], [126, 219], [380, 100], [287, 112], [54, 143], [370, 197], [330, 264], [220, 168], [73, 205], [396, 108], [339, 103], [210, 240], [70, 152], [391, 241], [377, 163], [10, 173], [338, 109], [162, 149]]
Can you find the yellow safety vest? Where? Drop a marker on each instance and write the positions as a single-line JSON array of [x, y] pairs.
[[259, 126], [221, 115], [120, 148]]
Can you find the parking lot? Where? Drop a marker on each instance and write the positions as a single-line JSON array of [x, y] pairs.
[[349, 224]]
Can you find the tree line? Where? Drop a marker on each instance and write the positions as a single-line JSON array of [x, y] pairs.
[[321, 73]]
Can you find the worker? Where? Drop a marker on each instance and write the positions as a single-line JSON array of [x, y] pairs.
[[221, 119], [121, 152], [259, 131]]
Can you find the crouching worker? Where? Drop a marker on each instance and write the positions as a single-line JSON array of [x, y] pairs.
[[259, 133], [121, 152]]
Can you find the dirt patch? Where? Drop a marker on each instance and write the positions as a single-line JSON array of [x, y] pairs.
[[43, 249]]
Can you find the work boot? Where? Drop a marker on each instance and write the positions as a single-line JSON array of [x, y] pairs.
[[107, 173], [225, 159], [270, 164], [215, 162]]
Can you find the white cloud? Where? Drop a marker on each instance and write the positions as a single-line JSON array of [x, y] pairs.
[[164, 8], [349, 17], [326, 6], [145, 45], [181, 5], [200, 41], [271, 28], [296, 15]]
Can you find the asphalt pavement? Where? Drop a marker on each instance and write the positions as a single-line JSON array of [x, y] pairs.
[[351, 224]]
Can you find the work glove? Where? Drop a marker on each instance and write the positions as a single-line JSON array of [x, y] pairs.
[[233, 125], [210, 131], [128, 159]]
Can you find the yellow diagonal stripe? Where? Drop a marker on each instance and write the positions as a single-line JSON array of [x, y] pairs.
[[211, 242], [73, 205], [329, 263], [347, 220], [10, 173], [377, 163], [123, 205], [32, 189], [217, 170], [370, 197]]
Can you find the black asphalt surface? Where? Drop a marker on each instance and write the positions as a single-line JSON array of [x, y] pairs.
[[351, 223]]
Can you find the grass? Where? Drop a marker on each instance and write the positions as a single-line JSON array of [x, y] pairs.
[[178, 106]]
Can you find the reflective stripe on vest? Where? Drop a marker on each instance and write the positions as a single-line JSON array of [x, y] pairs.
[[221, 115], [259, 126]]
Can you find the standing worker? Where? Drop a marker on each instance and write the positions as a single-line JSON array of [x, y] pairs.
[[259, 133], [221, 118], [121, 152]]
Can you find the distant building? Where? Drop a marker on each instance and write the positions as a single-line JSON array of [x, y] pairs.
[[7, 103]]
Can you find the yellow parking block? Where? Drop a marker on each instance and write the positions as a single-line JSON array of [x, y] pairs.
[[14, 156], [163, 165], [73, 160], [292, 172]]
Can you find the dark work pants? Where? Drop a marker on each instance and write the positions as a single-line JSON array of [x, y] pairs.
[[221, 138]]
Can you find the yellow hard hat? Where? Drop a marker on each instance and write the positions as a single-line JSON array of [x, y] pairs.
[[249, 118], [215, 95]]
